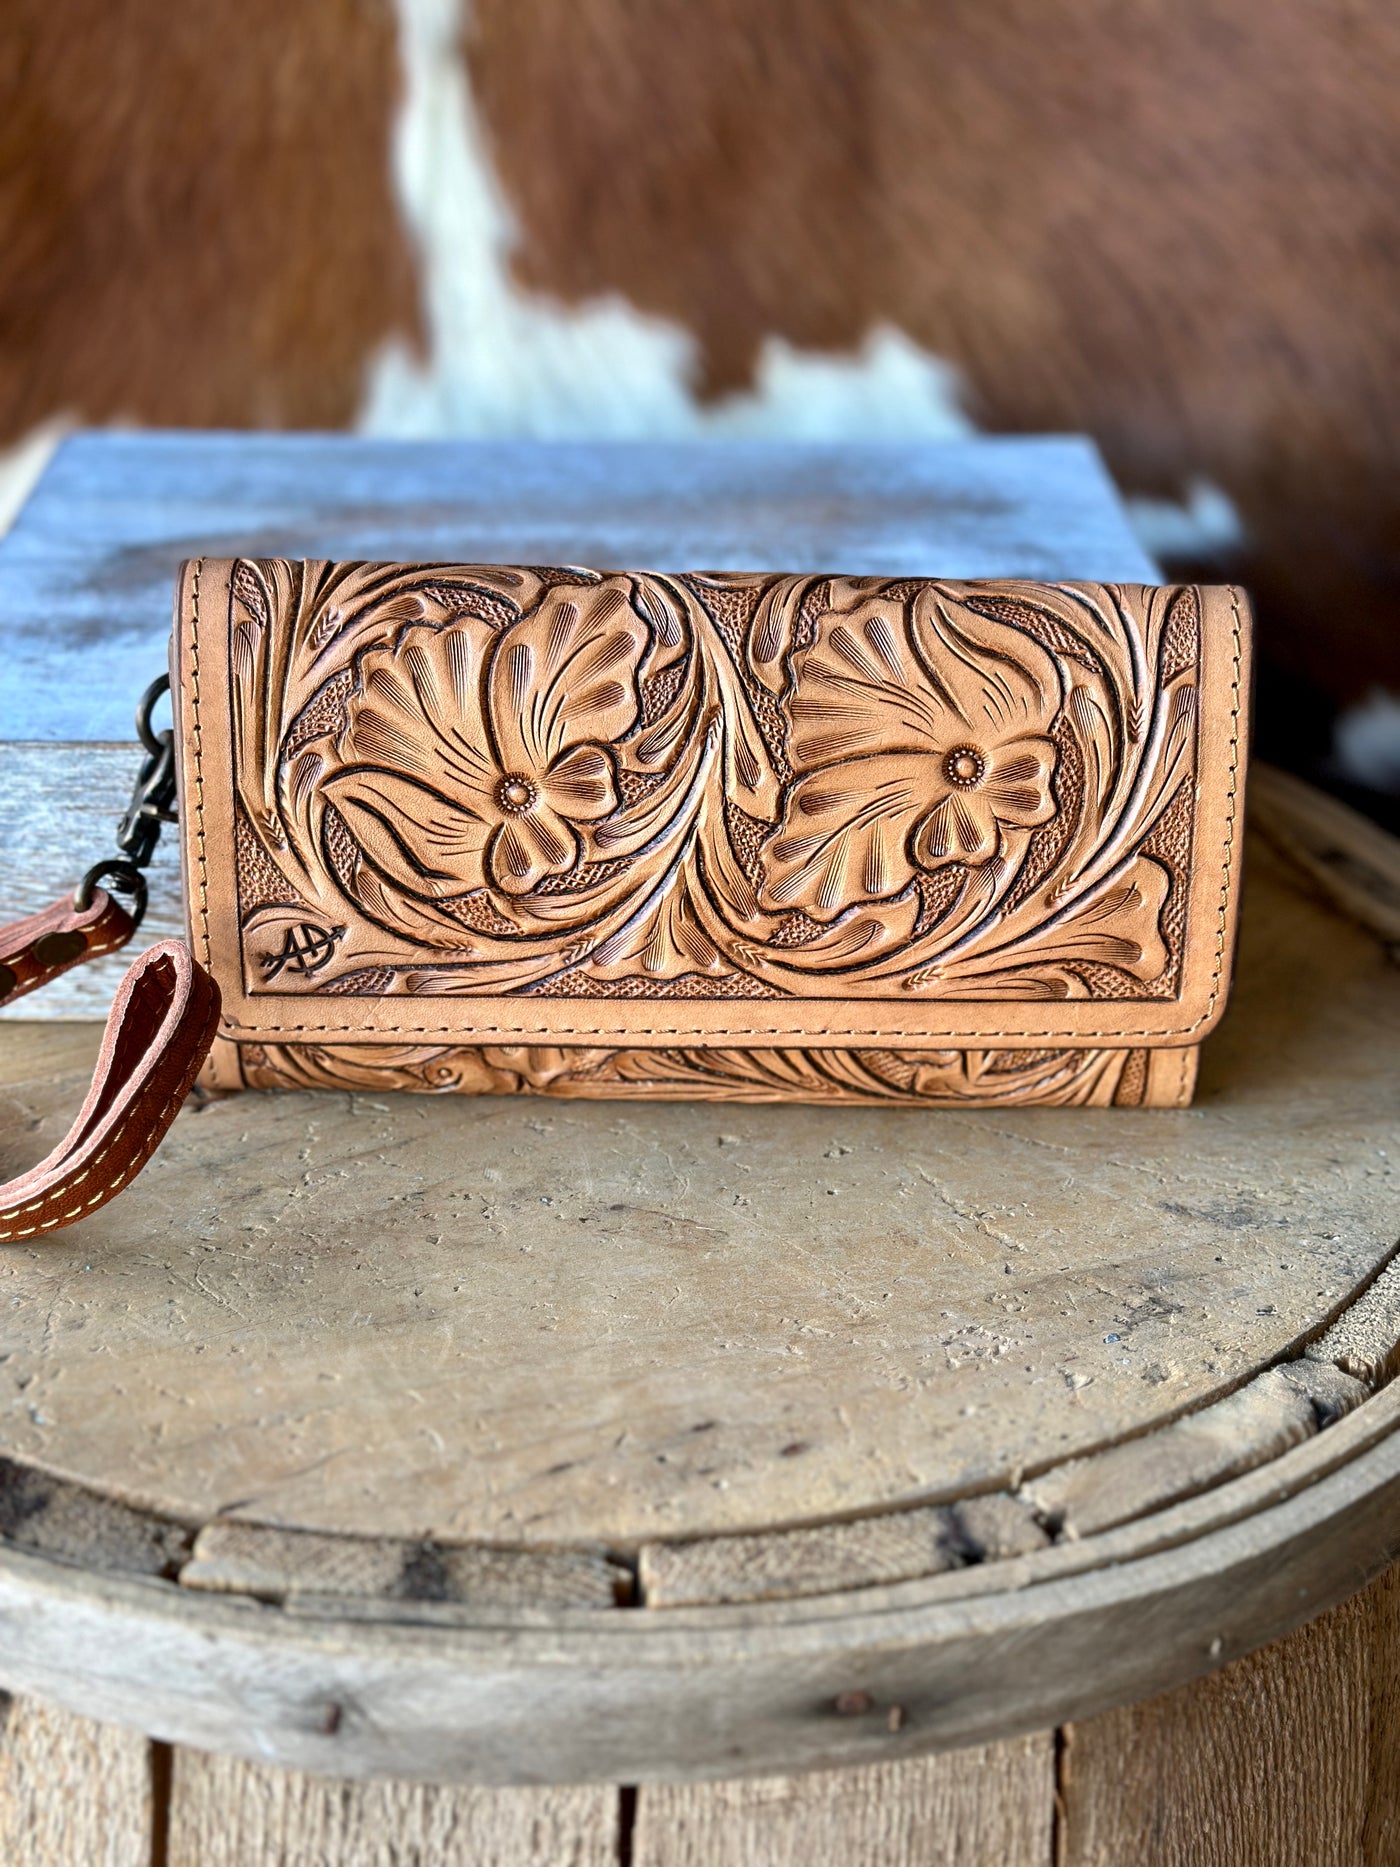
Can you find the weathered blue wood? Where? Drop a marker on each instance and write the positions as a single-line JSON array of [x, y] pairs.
[[86, 573]]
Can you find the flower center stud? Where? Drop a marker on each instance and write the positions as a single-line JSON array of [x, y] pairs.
[[515, 794], [965, 767]]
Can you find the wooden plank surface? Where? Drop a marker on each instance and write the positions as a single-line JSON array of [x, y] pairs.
[[224, 1813], [1290, 1757], [822, 1558], [1187, 1284], [32, 1047], [249, 1559], [525, 1323], [598, 1696], [72, 1793], [989, 1806], [87, 570]]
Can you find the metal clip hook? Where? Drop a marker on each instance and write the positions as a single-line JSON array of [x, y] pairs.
[[153, 794], [152, 806]]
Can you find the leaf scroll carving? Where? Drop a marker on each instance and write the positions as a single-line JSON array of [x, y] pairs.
[[921, 1079], [511, 781]]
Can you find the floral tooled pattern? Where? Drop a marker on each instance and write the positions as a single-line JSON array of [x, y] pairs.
[[924, 1079], [917, 744], [478, 756], [463, 780]]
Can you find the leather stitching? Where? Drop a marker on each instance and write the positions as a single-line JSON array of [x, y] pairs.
[[156, 1131], [198, 764]]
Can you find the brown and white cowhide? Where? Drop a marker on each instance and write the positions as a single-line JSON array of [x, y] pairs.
[[1177, 228]]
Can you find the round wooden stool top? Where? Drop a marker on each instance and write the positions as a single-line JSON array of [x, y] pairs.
[[519, 1440]]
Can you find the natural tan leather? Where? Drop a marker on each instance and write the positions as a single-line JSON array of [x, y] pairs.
[[761, 836], [38, 949], [158, 1034]]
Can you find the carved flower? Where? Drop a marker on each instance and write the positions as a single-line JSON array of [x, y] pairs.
[[476, 755], [918, 743]]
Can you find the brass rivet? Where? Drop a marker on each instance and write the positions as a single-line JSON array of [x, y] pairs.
[[56, 949]]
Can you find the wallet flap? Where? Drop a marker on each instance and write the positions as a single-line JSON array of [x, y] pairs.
[[462, 803]]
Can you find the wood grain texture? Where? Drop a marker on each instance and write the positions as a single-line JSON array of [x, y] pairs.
[[80, 1524], [1291, 1756], [1249, 1427], [1346, 857], [1365, 1339], [87, 603], [251, 1559], [978, 1651], [72, 1793], [60, 810], [988, 1806], [33, 1047], [502, 1322], [225, 1813], [862, 1554], [716, 1691]]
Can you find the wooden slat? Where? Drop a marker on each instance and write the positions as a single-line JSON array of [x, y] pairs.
[[1332, 1391], [1290, 1757], [72, 1793], [895, 1547], [224, 1813], [259, 1559], [80, 1525], [1249, 1427], [989, 1806]]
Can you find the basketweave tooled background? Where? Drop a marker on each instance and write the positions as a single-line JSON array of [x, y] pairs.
[[1177, 229]]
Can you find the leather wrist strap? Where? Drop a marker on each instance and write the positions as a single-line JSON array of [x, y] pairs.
[[158, 1034], [36, 950]]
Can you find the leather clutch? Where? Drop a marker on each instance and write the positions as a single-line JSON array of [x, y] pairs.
[[752, 837], [759, 838]]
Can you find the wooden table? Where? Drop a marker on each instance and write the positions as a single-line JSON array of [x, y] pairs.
[[431, 1459]]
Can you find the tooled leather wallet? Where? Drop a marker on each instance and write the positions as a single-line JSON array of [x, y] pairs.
[[754, 837]]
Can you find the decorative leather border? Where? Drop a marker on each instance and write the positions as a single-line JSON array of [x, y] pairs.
[[1071, 1077]]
